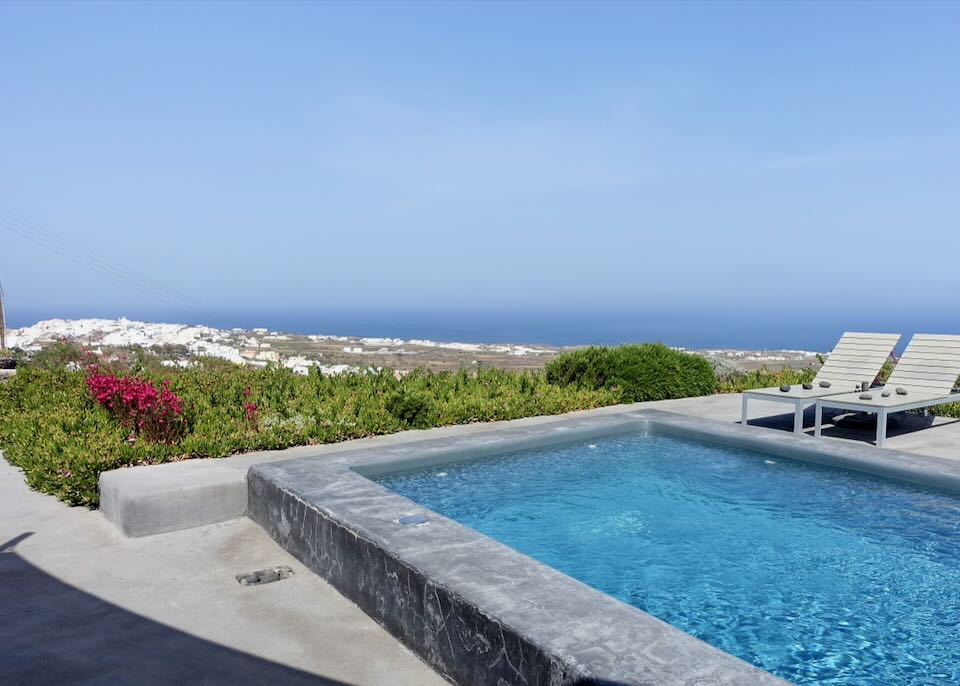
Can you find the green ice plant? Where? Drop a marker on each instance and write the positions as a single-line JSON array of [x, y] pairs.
[[62, 432], [737, 382]]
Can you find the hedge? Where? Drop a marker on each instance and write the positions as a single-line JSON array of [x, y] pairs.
[[649, 371]]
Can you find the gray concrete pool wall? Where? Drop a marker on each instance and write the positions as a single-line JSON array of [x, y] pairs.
[[942, 474], [153, 499], [476, 610]]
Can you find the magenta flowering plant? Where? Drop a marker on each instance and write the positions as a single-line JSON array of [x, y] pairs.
[[145, 410], [251, 410]]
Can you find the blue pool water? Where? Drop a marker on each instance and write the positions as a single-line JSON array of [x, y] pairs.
[[818, 575]]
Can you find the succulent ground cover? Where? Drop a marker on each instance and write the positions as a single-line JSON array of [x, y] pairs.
[[64, 419], [63, 427]]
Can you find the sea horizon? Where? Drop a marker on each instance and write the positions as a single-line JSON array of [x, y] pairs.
[[679, 328]]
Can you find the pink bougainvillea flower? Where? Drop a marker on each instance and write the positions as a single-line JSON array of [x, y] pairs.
[[156, 414]]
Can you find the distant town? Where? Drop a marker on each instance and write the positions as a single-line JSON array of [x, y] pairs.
[[180, 345]]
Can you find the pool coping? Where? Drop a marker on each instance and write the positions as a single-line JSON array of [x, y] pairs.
[[172, 496], [479, 611]]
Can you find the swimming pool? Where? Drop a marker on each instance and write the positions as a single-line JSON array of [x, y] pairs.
[[816, 574]]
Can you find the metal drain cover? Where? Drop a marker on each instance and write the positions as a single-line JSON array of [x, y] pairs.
[[413, 519], [264, 576]]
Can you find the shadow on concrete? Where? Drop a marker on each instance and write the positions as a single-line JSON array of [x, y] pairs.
[[853, 426], [784, 422], [53, 633]]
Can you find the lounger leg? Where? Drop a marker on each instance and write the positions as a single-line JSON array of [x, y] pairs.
[[881, 427], [818, 425], [743, 412], [798, 417]]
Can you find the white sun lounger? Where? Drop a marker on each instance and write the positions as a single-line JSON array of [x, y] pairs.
[[927, 372], [856, 358]]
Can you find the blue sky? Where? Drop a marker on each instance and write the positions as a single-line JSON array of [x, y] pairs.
[[513, 156]]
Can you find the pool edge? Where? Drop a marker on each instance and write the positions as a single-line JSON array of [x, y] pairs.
[[474, 609]]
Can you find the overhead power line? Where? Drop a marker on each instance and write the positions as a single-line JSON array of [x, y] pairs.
[[17, 224], [3, 322]]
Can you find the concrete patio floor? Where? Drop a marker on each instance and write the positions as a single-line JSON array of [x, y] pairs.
[[914, 433], [80, 603]]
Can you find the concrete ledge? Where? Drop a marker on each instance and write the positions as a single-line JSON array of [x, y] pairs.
[[141, 501], [169, 497]]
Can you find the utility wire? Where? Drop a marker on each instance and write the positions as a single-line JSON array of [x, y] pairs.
[[49, 238], [112, 273], [70, 249], [3, 322]]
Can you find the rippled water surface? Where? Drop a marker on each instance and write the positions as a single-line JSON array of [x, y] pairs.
[[818, 575]]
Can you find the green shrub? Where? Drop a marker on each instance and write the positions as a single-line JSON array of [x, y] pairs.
[[57, 355], [412, 409], [62, 440], [650, 371], [886, 370], [951, 410], [738, 382]]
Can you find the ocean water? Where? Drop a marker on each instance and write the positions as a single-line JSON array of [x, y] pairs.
[[818, 575], [744, 328]]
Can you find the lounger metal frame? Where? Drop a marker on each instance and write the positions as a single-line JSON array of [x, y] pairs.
[[882, 412], [927, 371], [857, 357]]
